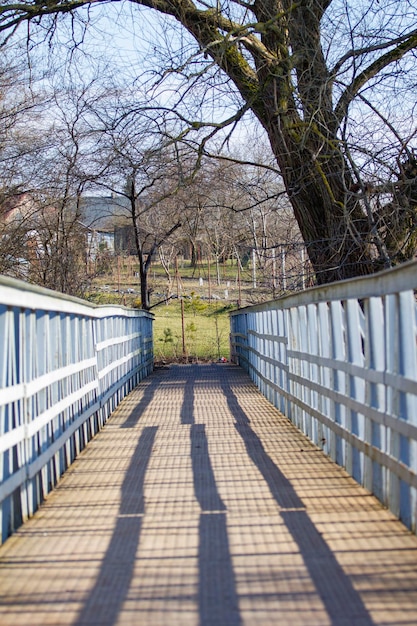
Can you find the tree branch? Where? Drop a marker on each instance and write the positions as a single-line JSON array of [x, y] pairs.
[[387, 59], [158, 243], [362, 51]]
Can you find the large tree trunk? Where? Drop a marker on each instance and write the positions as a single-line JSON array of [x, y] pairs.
[[303, 134], [334, 228], [306, 145]]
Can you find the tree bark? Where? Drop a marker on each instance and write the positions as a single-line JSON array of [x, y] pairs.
[[332, 223]]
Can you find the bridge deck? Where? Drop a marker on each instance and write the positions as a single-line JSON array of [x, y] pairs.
[[199, 504]]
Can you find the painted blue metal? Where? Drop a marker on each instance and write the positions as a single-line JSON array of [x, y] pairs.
[[340, 361], [64, 367]]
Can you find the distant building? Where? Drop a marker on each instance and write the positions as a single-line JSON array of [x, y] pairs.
[[98, 241], [99, 215], [101, 212]]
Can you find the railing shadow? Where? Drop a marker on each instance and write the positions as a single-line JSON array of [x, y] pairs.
[[205, 487], [217, 595], [342, 602]]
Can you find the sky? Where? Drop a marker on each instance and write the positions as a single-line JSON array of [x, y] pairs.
[[128, 47]]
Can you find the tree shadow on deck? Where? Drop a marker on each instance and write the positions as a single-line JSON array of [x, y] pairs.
[[187, 409], [150, 386], [217, 596], [341, 601], [106, 598]]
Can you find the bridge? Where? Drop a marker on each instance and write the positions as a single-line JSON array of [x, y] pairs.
[[199, 500]]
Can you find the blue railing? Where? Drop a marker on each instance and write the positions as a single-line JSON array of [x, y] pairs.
[[64, 367], [340, 362]]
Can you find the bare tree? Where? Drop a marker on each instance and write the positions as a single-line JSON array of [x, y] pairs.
[[21, 109], [59, 231], [143, 172], [148, 239], [314, 73]]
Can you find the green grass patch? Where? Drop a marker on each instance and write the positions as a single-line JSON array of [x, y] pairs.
[[225, 271], [206, 331]]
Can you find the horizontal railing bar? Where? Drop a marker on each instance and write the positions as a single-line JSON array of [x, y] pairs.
[[115, 364], [401, 383], [12, 438], [402, 427], [114, 341], [401, 470], [391, 281], [56, 409], [111, 390], [14, 293], [35, 466], [12, 482], [275, 338]]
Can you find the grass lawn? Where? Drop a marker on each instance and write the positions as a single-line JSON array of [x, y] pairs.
[[206, 331], [206, 324]]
